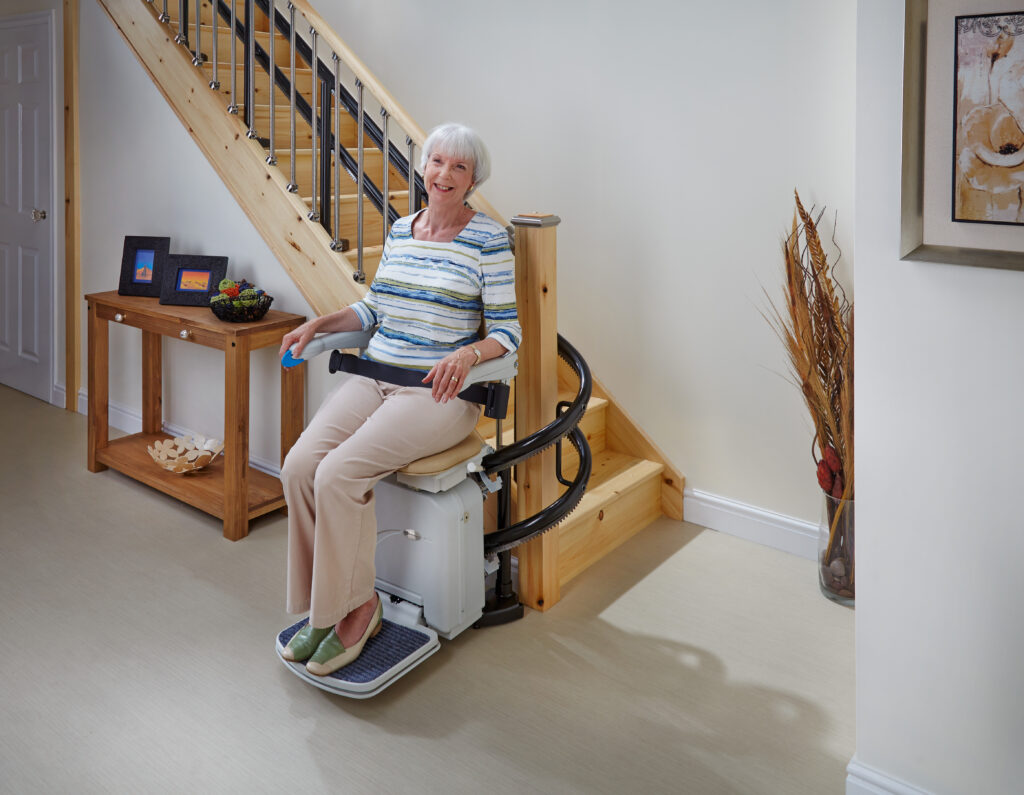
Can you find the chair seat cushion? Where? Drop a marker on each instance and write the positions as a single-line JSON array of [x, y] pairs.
[[446, 459]]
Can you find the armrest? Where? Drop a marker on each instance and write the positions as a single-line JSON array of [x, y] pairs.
[[329, 342], [503, 368]]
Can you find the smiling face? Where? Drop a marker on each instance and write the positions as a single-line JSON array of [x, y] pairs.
[[447, 178]]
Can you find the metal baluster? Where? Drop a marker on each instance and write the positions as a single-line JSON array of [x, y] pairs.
[[384, 179], [198, 59], [293, 186], [164, 16], [336, 244], [313, 214], [359, 275], [250, 67], [412, 176], [182, 37], [233, 106], [272, 157], [214, 82]]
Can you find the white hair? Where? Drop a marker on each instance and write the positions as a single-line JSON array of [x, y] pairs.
[[458, 140]]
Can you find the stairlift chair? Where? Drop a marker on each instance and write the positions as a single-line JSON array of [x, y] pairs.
[[430, 557]]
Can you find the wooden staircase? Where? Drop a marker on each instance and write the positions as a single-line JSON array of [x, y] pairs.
[[632, 481]]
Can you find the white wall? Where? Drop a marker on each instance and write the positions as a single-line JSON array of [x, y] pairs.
[[669, 137], [939, 434]]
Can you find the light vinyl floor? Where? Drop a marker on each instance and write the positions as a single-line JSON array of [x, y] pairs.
[[136, 656]]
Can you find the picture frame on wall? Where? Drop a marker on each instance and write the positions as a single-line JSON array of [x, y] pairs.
[[190, 279], [143, 260], [988, 112], [932, 104]]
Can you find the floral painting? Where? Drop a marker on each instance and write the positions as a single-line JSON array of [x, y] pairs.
[[988, 153]]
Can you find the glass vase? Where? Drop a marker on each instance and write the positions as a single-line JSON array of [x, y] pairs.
[[835, 550]]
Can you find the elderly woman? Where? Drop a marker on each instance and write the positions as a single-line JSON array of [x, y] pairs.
[[443, 271]]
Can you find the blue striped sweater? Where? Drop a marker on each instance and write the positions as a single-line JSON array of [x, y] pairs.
[[428, 297]]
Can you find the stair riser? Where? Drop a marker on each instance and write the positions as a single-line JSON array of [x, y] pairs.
[[281, 52], [303, 83], [372, 234], [206, 12], [587, 536], [282, 121], [372, 160]]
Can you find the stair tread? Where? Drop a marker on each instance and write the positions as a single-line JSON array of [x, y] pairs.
[[612, 471], [224, 63], [350, 196]]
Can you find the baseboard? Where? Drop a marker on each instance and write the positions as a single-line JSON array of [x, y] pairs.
[[129, 420], [864, 780], [751, 523]]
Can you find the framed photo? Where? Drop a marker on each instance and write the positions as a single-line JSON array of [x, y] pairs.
[[988, 112], [142, 265], [190, 279]]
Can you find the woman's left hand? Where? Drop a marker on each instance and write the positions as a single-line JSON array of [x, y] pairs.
[[449, 375]]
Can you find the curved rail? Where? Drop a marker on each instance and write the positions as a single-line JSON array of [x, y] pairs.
[[566, 425], [540, 440]]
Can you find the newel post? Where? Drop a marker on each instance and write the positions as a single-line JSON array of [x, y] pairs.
[[536, 395]]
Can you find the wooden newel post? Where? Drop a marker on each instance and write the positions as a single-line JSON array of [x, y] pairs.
[[536, 397]]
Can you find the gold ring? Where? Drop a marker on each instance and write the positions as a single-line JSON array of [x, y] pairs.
[[455, 378]]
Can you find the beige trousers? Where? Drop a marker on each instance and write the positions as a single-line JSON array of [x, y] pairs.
[[364, 431]]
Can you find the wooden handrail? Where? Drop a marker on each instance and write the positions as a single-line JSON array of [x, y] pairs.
[[369, 80]]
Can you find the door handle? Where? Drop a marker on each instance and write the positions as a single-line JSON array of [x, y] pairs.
[[38, 215]]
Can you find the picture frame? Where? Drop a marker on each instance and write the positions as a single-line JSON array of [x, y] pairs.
[[143, 260], [988, 103], [190, 279], [927, 233]]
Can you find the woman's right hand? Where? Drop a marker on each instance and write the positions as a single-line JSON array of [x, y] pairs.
[[299, 337]]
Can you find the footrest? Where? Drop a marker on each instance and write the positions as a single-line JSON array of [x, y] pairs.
[[392, 653]]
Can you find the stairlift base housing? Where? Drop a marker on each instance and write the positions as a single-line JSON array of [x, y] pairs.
[[430, 578]]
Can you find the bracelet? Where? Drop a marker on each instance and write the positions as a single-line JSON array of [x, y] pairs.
[[476, 350]]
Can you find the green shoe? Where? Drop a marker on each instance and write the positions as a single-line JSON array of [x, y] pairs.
[[331, 655], [304, 643]]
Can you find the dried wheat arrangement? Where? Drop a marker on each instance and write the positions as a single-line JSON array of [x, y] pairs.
[[816, 329]]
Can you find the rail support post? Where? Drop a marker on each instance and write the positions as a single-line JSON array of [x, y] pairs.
[[536, 398]]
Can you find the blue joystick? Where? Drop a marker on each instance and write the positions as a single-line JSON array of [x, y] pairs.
[[290, 361]]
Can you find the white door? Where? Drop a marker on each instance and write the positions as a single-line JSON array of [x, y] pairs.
[[26, 235]]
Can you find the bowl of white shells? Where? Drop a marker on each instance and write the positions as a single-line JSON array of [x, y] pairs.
[[184, 454]]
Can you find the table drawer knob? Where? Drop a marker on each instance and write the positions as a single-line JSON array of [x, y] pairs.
[[119, 317], [185, 334]]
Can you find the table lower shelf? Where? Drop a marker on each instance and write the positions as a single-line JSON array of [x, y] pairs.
[[203, 489]]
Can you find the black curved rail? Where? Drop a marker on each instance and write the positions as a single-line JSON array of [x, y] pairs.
[[541, 440], [544, 520], [565, 426]]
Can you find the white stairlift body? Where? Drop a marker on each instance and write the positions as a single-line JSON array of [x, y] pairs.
[[430, 564]]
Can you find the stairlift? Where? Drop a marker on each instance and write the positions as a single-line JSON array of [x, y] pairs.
[[430, 558]]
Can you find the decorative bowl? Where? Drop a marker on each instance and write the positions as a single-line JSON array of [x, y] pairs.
[[185, 453], [227, 310]]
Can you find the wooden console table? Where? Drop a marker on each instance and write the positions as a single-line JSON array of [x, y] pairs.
[[229, 488]]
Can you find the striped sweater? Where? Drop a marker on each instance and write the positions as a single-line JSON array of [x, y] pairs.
[[428, 298]]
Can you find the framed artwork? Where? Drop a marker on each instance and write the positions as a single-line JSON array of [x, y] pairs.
[[954, 207], [988, 111], [143, 260], [190, 279]]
